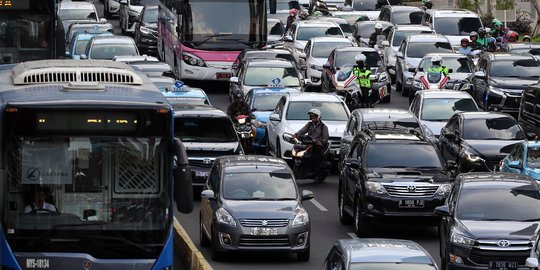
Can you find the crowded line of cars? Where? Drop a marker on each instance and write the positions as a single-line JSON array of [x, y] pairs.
[[457, 158]]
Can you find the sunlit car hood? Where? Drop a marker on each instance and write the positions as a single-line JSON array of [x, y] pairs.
[[335, 128], [511, 83], [261, 209], [434, 126], [501, 229]]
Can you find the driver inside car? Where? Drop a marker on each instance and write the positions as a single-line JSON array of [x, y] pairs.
[[40, 205]]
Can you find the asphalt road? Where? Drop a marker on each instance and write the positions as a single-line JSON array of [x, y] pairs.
[[325, 225]]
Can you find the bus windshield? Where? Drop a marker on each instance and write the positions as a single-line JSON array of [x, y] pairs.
[[205, 26]]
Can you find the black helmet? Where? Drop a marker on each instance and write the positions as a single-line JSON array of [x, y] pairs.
[[481, 31], [238, 94]]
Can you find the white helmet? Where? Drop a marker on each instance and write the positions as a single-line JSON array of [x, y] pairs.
[[316, 112], [378, 26], [436, 58], [360, 57]]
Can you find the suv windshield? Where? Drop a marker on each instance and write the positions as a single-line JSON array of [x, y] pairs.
[[331, 111], [425, 155], [514, 203], [533, 157], [441, 109], [263, 76], [500, 128], [150, 15], [400, 35], [277, 185], [373, 59], [456, 26], [419, 49], [522, 68], [77, 14], [407, 17], [305, 32], [196, 129], [458, 65], [323, 49]]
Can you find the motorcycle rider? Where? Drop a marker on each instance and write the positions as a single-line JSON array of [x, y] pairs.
[[465, 48], [436, 66], [292, 17], [428, 4], [474, 41], [318, 131], [239, 106], [512, 36], [373, 37], [362, 73], [491, 45], [526, 38], [482, 38]]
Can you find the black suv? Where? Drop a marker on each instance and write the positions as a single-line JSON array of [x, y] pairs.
[[207, 133], [146, 30], [529, 111], [500, 79], [374, 184], [489, 221]]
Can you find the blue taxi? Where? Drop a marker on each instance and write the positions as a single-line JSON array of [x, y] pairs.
[[264, 100], [523, 159], [179, 93]]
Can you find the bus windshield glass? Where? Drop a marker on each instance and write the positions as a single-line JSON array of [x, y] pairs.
[[205, 26]]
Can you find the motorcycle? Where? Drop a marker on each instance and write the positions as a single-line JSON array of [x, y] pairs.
[[346, 86], [245, 132], [302, 158]]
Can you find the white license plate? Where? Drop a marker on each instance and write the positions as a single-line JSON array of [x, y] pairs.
[[411, 204], [502, 265], [263, 231], [201, 174]]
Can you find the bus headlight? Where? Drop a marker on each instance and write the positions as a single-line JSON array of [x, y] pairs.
[[192, 60]]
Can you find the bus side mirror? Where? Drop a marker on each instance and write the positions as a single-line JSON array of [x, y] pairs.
[[183, 189], [180, 7]]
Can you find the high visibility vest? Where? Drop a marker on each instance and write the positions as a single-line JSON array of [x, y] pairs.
[[437, 69], [362, 75]]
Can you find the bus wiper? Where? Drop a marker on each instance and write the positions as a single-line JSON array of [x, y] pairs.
[[247, 43], [210, 37]]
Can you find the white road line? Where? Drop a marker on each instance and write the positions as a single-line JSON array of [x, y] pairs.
[[353, 235], [318, 205]]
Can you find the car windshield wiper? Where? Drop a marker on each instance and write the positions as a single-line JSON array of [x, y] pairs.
[[207, 38]]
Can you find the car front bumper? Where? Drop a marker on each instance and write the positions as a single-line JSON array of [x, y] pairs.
[[387, 206], [214, 71]]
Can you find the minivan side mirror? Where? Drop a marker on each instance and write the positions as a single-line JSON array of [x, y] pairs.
[[307, 195], [451, 136], [480, 74], [385, 43], [399, 55], [442, 211], [233, 79], [353, 163], [288, 38], [83, 56], [208, 194], [531, 263], [274, 117]]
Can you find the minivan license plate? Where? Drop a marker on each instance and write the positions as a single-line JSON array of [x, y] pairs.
[[263, 231], [411, 204], [201, 174], [502, 265]]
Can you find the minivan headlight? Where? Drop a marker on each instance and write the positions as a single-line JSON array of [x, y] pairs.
[[459, 239], [224, 217], [301, 218], [444, 189]]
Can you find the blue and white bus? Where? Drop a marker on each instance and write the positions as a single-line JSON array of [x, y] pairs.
[[87, 165]]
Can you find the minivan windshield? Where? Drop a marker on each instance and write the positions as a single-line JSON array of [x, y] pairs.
[[520, 68], [407, 17], [331, 111], [500, 128], [441, 109], [203, 129], [424, 155], [277, 185], [456, 26], [305, 33], [400, 35], [419, 49], [323, 49]]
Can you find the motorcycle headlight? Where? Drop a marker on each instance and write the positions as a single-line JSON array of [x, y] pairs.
[[193, 60], [375, 187], [224, 217], [459, 239], [241, 121], [301, 218], [471, 157], [497, 91], [444, 189], [418, 84]]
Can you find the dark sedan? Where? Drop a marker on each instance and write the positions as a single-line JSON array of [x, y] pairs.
[[478, 141], [252, 203]]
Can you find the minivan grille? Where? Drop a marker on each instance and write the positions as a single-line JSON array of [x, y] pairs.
[[263, 241], [264, 222]]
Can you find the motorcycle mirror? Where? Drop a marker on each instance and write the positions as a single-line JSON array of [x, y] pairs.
[[450, 70], [411, 69]]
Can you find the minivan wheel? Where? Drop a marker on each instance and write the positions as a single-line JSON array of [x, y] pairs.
[[361, 227], [344, 217], [216, 254]]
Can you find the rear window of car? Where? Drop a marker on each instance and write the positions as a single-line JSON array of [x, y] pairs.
[[407, 17], [456, 26], [109, 51], [196, 129], [305, 33], [419, 49]]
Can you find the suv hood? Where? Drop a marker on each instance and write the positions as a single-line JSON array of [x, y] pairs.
[[261, 209], [219, 149], [511, 83], [335, 128], [501, 229], [398, 175], [489, 149]]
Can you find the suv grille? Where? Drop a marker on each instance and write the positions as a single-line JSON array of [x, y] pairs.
[[264, 222], [485, 251], [201, 162], [512, 102], [263, 241], [411, 190]]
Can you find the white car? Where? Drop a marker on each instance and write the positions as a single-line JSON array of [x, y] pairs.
[[434, 108], [111, 8], [455, 24], [290, 115], [108, 47], [317, 51], [70, 12], [302, 31]]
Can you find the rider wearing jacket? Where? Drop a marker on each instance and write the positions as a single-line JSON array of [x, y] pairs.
[[318, 131], [436, 66], [239, 107], [362, 73], [373, 37]]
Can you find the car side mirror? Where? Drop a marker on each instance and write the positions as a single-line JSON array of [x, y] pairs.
[[442, 211], [102, 20], [480, 74], [420, 69], [516, 164], [353, 163], [233, 80], [208, 194], [254, 110], [531, 263], [68, 54], [307, 195], [288, 38], [531, 136], [123, 2], [274, 117], [399, 55], [451, 136], [302, 55], [83, 56], [385, 43], [327, 66], [411, 69], [183, 188], [450, 70]]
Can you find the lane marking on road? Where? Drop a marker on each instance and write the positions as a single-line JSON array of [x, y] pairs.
[[318, 205], [353, 235]]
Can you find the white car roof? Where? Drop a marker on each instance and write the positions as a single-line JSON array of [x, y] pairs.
[[330, 39], [316, 23], [444, 94]]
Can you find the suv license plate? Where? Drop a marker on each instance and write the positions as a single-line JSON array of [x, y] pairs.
[[263, 231], [411, 204], [201, 174], [502, 265]]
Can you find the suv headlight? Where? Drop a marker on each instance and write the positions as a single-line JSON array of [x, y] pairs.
[[418, 84], [465, 87], [375, 187], [444, 189], [497, 91], [383, 77], [145, 30], [193, 60], [224, 217], [459, 239], [301, 218], [471, 157]]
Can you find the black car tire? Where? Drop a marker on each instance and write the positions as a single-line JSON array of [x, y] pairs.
[[411, 97], [344, 217], [361, 226], [324, 86], [266, 143], [404, 91], [204, 241], [278, 149], [106, 12], [216, 254], [444, 263], [304, 255], [399, 86]]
